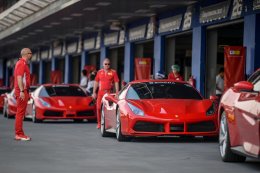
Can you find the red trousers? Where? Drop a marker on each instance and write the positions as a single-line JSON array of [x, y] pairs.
[[21, 108], [99, 99]]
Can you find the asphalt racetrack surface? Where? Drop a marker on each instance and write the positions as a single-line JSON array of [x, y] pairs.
[[68, 147]]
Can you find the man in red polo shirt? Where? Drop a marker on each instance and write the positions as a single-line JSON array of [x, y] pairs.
[[21, 87], [104, 80], [175, 74]]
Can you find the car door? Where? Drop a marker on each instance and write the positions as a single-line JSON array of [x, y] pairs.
[[247, 110]]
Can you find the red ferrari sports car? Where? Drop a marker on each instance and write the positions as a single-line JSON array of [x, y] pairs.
[[239, 117], [10, 104], [3, 91], [157, 108], [65, 101]]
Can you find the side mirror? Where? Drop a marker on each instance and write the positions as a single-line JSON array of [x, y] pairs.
[[243, 86]]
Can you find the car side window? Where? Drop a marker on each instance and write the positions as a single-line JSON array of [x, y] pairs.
[[131, 94]]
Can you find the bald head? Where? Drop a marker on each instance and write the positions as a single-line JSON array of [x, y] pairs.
[[26, 53], [106, 64]]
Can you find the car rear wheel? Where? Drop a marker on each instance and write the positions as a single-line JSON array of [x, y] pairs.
[[5, 111], [119, 136], [224, 143], [34, 117], [103, 131]]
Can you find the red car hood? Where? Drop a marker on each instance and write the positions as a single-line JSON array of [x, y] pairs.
[[171, 107], [68, 101]]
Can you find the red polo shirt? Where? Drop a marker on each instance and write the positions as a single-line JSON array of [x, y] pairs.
[[21, 69], [106, 79], [178, 77]]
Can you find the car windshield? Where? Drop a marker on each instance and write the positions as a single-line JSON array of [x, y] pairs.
[[162, 90], [50, 91]]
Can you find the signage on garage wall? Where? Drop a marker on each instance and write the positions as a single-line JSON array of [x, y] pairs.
[[187, 18], [214, 12], [151, 28], [35, 57], [237, 9], [98, 41], [72, 47], [111, 39], [170, 24], [256, 5], [45, 54], [89, 43], [57, 48], [121, 37], [137, 33]]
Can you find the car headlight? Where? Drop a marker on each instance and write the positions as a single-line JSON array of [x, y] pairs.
[[136, 110], [44, 103], [211, 110]]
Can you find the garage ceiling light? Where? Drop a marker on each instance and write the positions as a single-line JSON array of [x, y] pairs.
[[32, 33], [39, 30], [66, 18], [125, 17], [90, 8], [76, 14], [55, 23], [47, 26], [157, 6], [103, 4], [142, 11]]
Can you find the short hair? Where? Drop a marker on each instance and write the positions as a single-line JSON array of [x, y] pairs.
[[84, 72], [221, 70], [175, 67], [92, 76]]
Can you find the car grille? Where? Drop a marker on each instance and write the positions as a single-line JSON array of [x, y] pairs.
[[176, 127], [148, 127], [206, 126], [86, 113], [49, 113]]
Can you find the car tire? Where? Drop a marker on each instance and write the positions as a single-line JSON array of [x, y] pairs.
[[224, 143], [34, 117], [119, 136], [103, 131], [5, 111]]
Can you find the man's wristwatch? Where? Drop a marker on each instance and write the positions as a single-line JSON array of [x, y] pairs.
[[22, 91]]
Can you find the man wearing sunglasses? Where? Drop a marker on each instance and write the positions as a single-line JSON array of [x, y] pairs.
[[21, 88], [105, 79]]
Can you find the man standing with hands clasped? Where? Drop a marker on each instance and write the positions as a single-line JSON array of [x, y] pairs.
[[21, 87], [104, 80]]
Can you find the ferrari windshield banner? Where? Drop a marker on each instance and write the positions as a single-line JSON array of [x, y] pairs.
[[234, 65], [90, 68], [142, 68], [34, 80], [56, 77]]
